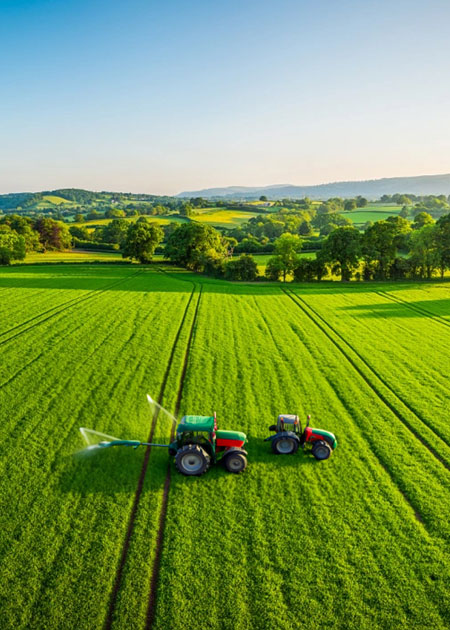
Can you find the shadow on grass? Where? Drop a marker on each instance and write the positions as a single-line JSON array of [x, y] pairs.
[[116, 470], [418, 308]]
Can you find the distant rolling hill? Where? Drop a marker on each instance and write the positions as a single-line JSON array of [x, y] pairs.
[[372, 189]]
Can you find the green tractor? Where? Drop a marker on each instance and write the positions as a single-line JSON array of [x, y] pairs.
[[198, 443], [289, 436]]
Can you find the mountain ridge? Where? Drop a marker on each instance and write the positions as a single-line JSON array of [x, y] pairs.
[[370, 188]]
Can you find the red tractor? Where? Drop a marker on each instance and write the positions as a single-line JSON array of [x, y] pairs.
[[289, 436]]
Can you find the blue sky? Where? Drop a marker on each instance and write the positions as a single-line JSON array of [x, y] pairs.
[[161, 97]]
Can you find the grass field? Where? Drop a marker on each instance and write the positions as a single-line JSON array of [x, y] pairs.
[[74, 255], [122, 541], [372, 212]]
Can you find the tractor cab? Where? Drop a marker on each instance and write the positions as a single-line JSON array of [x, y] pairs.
[[289, 422], [197, 430]]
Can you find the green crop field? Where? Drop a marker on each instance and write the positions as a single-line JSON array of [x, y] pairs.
[[119, 540], [225, 218], [161, 220]]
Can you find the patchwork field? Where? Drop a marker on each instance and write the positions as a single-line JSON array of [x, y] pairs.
[[120, 540]]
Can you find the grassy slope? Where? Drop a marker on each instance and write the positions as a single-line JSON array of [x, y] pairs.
[[55, 199]]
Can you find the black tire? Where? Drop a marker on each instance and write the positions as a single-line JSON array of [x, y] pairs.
[[273, 427], [321, 450], [235, 462], [285, 445], [192, 460]]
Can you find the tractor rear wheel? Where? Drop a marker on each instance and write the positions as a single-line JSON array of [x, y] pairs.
[[285, 445], [321, 450], [192, 460], [235, 462]]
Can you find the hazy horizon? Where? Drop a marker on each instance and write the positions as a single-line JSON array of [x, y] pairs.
[[160, 98]]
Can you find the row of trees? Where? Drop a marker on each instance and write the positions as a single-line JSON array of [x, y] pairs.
[[19, 235], [372, 255]]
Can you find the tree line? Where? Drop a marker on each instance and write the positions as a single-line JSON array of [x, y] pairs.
[[395, 248]]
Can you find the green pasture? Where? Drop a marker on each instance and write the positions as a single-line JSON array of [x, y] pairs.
[[357, 542], [225, 218], [372, 212]]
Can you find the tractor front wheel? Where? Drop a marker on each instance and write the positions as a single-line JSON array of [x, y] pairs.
[[235, 462], [321, 450], [285, 445], [192, 460]]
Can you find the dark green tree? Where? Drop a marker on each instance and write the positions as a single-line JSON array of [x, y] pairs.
[[190, 245], [244, 269], [424, 252], [12, 245], [141, 241], [342, 249], [421, 219], [80, 231], [53, 235], [274, 268], [350, 204], [116, 231], [287, 248], [361, 202], [442, 239], [381, 242], [24, 227]]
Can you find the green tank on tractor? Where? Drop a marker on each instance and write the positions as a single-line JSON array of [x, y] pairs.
[[199, 443]]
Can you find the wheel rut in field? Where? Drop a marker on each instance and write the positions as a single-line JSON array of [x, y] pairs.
[[413, 307], [60, 308], [151, 609], [140, 485], [325, 327]]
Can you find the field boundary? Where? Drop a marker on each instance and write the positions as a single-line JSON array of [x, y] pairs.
[[154, 580], [398, 414], [62, 307], [140, 486]]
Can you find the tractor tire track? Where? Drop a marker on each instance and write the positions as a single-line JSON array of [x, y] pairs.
[[62, 307], [418, 309], [324, 326], [140, 484], [154, 581]]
